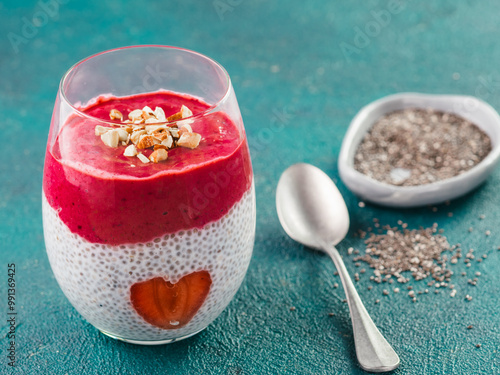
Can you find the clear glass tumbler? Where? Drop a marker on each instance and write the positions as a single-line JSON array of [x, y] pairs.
[[148, 195]]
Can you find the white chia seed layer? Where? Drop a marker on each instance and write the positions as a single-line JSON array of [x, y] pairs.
[[97, 278]]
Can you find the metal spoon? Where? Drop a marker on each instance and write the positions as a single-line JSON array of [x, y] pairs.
[[313, 212]]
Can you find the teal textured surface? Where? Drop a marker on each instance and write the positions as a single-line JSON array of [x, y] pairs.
[[301, 70]]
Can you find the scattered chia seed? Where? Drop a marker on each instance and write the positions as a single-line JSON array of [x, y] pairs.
[[335, 285], [292, 308], [420, 146], [399, 250], [361, 204], [469, 326], [478, 345]]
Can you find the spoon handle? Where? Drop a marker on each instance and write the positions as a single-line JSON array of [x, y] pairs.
[[374, 353]]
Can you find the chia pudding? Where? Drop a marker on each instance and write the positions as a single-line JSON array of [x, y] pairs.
[[149, 252]]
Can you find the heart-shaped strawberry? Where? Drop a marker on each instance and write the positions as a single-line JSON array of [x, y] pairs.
[[170, 306]]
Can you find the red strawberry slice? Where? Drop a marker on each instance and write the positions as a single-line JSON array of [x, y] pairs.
[[170, 306]]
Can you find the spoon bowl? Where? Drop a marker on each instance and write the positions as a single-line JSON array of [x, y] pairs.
[[313, 212], [328, 219]]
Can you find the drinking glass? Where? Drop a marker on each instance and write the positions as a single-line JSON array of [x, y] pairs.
[[148, 252]]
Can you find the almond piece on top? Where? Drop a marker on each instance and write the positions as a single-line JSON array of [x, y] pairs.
[[135, 115], [115, 114], [152, 120], [175, 117], [174, 132], [189, 140], [161, 135], [186, 112], [158, 155], [184, 128], [130, 151], [110, 138], [143, 158], [155, 128], [100, 130], [147, 141], [160, 146], [160, 114], [136, 136], [168, 141], [149, 112], [122, 134]]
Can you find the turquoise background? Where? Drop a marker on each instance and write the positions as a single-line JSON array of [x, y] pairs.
[[297, 91]]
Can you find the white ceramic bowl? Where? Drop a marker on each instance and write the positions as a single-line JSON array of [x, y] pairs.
[[369, 189]]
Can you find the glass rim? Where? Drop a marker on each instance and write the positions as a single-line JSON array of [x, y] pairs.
[[158, 46]]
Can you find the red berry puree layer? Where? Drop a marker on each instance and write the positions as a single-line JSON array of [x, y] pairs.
[[108, 198]]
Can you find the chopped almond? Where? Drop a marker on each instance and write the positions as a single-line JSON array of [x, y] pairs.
[[136, 136], [160, 114], [155, 128], [122, 134], [100, 130], [135, 115], [143, 158], [147, 112], [147, 141], [175, 117], [130, 151], [186, 112], [174, 132], [151, 120], [115, 114], [110, 138], [189, 140], [158, 155], [157, 147], [185, 128], [162, 135], [168, 142]]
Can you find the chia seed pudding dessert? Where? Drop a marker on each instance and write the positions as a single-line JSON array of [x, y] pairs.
[[149, 219]]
